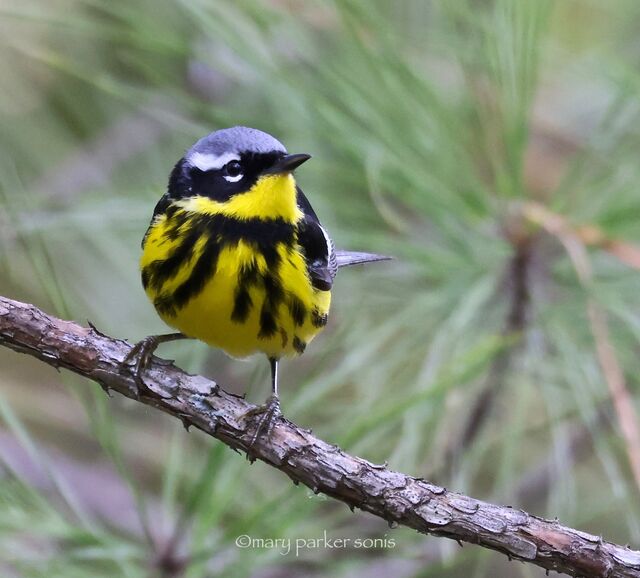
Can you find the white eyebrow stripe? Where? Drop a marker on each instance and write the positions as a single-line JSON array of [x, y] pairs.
[[211, 162]]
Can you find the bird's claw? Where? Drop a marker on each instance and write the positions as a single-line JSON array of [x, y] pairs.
[[139, 357], [270, 412], [137, 360]]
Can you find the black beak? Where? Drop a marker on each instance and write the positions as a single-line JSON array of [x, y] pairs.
[[287, 164]]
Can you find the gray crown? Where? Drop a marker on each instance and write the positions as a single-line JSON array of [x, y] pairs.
[[237, 139]]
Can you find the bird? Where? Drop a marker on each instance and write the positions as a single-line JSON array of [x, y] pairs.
[[236, 257]]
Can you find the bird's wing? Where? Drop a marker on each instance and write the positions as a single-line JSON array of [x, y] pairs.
[[323, 261], [318, 248]]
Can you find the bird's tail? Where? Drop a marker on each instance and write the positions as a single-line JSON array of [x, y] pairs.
[[346, 258]]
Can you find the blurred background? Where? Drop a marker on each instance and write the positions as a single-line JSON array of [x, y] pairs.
[[491, 146]]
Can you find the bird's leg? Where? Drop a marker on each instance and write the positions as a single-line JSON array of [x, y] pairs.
[[141, 354], [270, 410]]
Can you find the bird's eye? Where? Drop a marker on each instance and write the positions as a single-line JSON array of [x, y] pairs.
[[232, 171]]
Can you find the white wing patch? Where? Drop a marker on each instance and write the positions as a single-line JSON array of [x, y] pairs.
[[211, 162], [332, 263]]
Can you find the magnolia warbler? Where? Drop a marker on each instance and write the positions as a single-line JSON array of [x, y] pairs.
[[235, 255]]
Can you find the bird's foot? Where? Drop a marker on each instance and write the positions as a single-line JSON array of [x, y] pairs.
[[269, 413], [137, 360]]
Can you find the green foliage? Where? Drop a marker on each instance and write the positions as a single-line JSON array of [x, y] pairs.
[[431, 123]]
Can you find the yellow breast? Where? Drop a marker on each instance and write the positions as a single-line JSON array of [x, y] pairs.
[[221, 274]]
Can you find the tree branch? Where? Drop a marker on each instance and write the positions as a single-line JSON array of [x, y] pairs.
[[392, 496]]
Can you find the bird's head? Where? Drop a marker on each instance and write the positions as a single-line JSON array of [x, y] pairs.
[[231, 162]]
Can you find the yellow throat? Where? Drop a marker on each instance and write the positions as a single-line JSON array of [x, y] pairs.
[[272, 197]]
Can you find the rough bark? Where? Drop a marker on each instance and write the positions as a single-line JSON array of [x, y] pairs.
[[393, 496]]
